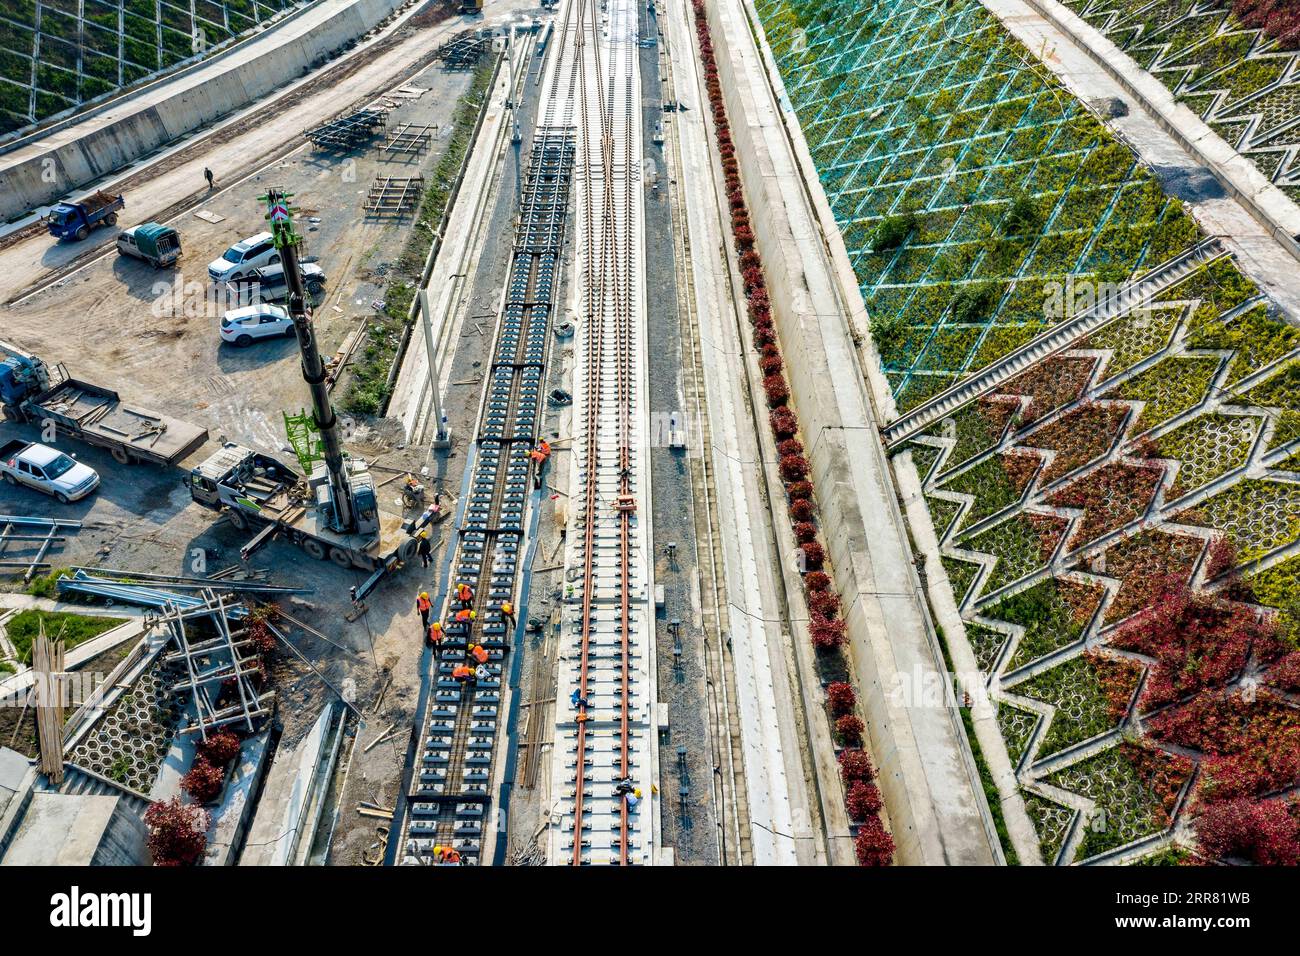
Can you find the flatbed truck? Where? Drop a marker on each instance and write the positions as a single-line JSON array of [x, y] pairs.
[[32, 391]]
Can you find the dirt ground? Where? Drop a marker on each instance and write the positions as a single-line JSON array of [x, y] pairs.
[[153, 337]]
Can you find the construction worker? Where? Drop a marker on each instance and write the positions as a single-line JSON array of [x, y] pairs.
[[464, 616], [424, 606], [539, 456], [207, 174], [465, 594], [478, 652], [425, 548], [633, 799], [577, 700], [462, 673], [508, 613], [435, 636], [446, 855]]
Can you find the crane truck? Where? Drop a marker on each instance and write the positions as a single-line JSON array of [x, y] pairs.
[[333, 512], [33, 391]]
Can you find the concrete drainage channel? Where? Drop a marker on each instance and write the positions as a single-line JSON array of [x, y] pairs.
[[448, 796]]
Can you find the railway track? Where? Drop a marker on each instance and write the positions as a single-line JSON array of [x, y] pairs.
[[603, 740], [449, 797]]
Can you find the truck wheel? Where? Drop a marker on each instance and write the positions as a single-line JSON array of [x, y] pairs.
[[9, 479], [314, 548], [82, 233], [315, 288], [340, 557], [111, 219], [121, 456], [407, 551], [244, 341], [237, 519]]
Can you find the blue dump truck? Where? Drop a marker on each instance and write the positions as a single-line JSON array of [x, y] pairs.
[[74, 220]]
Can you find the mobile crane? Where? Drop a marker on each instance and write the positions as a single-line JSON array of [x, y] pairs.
[[334, 511]]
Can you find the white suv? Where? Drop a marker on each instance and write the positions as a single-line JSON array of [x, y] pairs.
[[244, 258], [242, 326]]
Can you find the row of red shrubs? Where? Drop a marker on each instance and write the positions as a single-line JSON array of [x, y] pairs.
[[178, 831], [1279, 19], [827, 631]]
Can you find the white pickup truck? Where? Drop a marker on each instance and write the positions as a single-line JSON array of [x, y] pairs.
[[46, 469]]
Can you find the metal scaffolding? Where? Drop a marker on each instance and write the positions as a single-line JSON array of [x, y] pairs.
[[29, 534], [222, 658], [350, 131], [394, 196]]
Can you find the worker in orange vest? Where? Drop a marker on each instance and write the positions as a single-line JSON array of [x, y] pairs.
[[435, 636], [424, 606], [464, 594], [462, 672], [508, 613], [447, 855], [464, 616], [479, 653]]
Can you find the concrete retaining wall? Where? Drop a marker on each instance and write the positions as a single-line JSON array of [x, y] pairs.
[[50, 167], [937, 813]]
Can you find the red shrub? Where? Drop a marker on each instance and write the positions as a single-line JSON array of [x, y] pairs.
[[874, 846], [784, 422], [177, 832], [801, 510], [1265, 832], [764, 333], [805, 531], [204, 780], [814, 556], [220, 748], [777, 392], [863, 800], [848, 730], [799, 489], [816, 581], [827, 634], [841, 697], [791, 446], [855, 764], [750, 260], [825, 603], [794, 467], [772, 365]]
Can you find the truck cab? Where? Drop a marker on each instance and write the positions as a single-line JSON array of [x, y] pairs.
[[238, 477]]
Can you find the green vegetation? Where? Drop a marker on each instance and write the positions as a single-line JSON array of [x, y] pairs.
[[75, 629], [368, 389], [46, 585]]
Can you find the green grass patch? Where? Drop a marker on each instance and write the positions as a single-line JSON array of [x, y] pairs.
[[73, 628]]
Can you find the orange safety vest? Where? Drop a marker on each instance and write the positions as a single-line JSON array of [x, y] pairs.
[[450, 856], [460, 670], [435, 631], [462, 616], [423, 603], [464, 593], [480, 653]]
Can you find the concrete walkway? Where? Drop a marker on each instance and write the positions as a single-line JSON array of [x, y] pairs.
[[931, 789]]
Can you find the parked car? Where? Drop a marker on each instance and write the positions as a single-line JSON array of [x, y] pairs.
[[74, 220], [269, 284], [46, 469], [157, 245], [242, 326], [244, 258]]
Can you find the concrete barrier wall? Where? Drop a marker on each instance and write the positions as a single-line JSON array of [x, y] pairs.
[[51, 167], [925, 770]]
